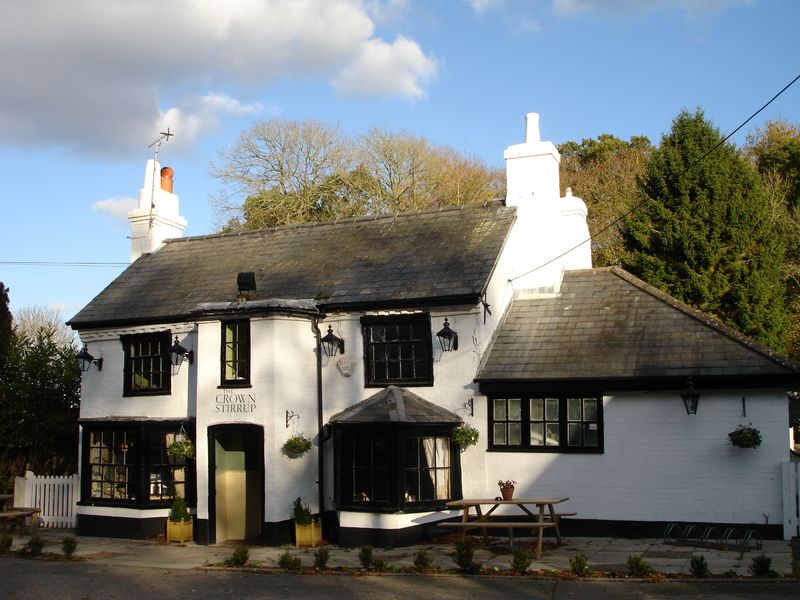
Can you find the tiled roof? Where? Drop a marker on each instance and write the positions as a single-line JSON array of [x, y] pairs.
[[607, 324], [421, 256], [395, 405]]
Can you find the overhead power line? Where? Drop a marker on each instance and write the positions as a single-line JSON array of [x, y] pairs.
[[644, 200]]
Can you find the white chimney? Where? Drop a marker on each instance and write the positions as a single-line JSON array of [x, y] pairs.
[[156, 217], [547, 227]]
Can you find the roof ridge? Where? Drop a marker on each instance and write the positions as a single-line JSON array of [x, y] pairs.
[[340, 222], [698, 315]]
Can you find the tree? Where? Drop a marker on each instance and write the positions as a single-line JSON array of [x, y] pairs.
[[776, 152], [30, 321], [39, 397], [282, 172], [703, 232], [605, 173], [5, 327]]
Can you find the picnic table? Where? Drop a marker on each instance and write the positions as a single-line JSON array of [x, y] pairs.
[[15, 516], [537, 515]]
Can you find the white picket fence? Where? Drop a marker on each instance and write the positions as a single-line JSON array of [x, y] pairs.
[[56, 497]]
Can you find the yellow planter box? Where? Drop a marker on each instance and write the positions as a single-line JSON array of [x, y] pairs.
[[179, 531], [308, 535]]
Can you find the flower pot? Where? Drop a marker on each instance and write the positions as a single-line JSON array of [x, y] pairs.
[[179, 531], [507, 493], [308, 535]]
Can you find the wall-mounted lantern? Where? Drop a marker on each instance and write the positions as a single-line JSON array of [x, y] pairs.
[[447, 337], [86, 360], [331, 343], [178, 354], [691, 397]]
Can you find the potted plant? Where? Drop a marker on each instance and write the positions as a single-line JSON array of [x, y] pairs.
[[182, 448], [465, 436], [179, 522], [507, 488], [745, 436], [307, 529], [296, 446]]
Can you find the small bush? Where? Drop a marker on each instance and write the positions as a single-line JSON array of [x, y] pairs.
[[366, 556], [68, 545], [464, 554], [579, 565], [521, 561], [290, 561], [638, 566], [381, 566], [34, 546], [422, 560], [239, 557], [5, 542], [762, 567], [321, 556], [698, 566]]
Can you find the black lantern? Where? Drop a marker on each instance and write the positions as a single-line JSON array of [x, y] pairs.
[[690, 397], [447, 337], [178, 354], [86, 360], [331, 343]]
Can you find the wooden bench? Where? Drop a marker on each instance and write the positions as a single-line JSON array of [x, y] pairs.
[[16, 517]]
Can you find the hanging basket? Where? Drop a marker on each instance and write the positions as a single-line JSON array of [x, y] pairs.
[[745, 436], [296, 446], [182, 447], [465, 436]]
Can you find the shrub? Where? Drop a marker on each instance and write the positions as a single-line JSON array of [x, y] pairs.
[[35, 544], [302, 513], [422, 560], [762, 567], [289, 561], [366, 557], [521, 561], [68, 545], [698, 566], [638, 566], [321, 556], [239, 557], [464, 554], [579, 565], [178, 512], [5, 542], [381, 566]]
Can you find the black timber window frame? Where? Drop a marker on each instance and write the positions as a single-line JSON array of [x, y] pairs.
[[397, 350], [555, 423], [127, 464], [388, 468], [235, 354], [147, 370]]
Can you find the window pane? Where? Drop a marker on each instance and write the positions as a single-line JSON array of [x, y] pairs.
[[514, 434], [573, 409], [537, 434], [412, 485], [574, 434], [537, 409], [500, 434], [499, 413], [590, 437], [553, 437], [514, 409], [551, 409], [412, 453], [590, 409]]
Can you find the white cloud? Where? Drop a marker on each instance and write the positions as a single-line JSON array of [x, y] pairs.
[[116, 208], [93, 75], [381, 69]]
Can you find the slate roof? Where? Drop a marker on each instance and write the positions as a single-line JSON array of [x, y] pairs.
[[606, 325], [381, 261], [395, 405]]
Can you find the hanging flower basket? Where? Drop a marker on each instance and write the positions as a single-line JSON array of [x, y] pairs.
[[745, 436], [181, 449], [296, 446], [465, 436]]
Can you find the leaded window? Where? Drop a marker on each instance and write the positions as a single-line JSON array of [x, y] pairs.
[[547, 424], [397, 350], [146, 364]]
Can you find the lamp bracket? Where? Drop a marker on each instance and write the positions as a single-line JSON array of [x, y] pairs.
[[470, 404], [290, 416]]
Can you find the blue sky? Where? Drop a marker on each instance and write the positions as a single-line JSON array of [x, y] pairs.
[[88, 84]]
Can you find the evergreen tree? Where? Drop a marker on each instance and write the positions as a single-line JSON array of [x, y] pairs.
[[704, 235], [5, 327]]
